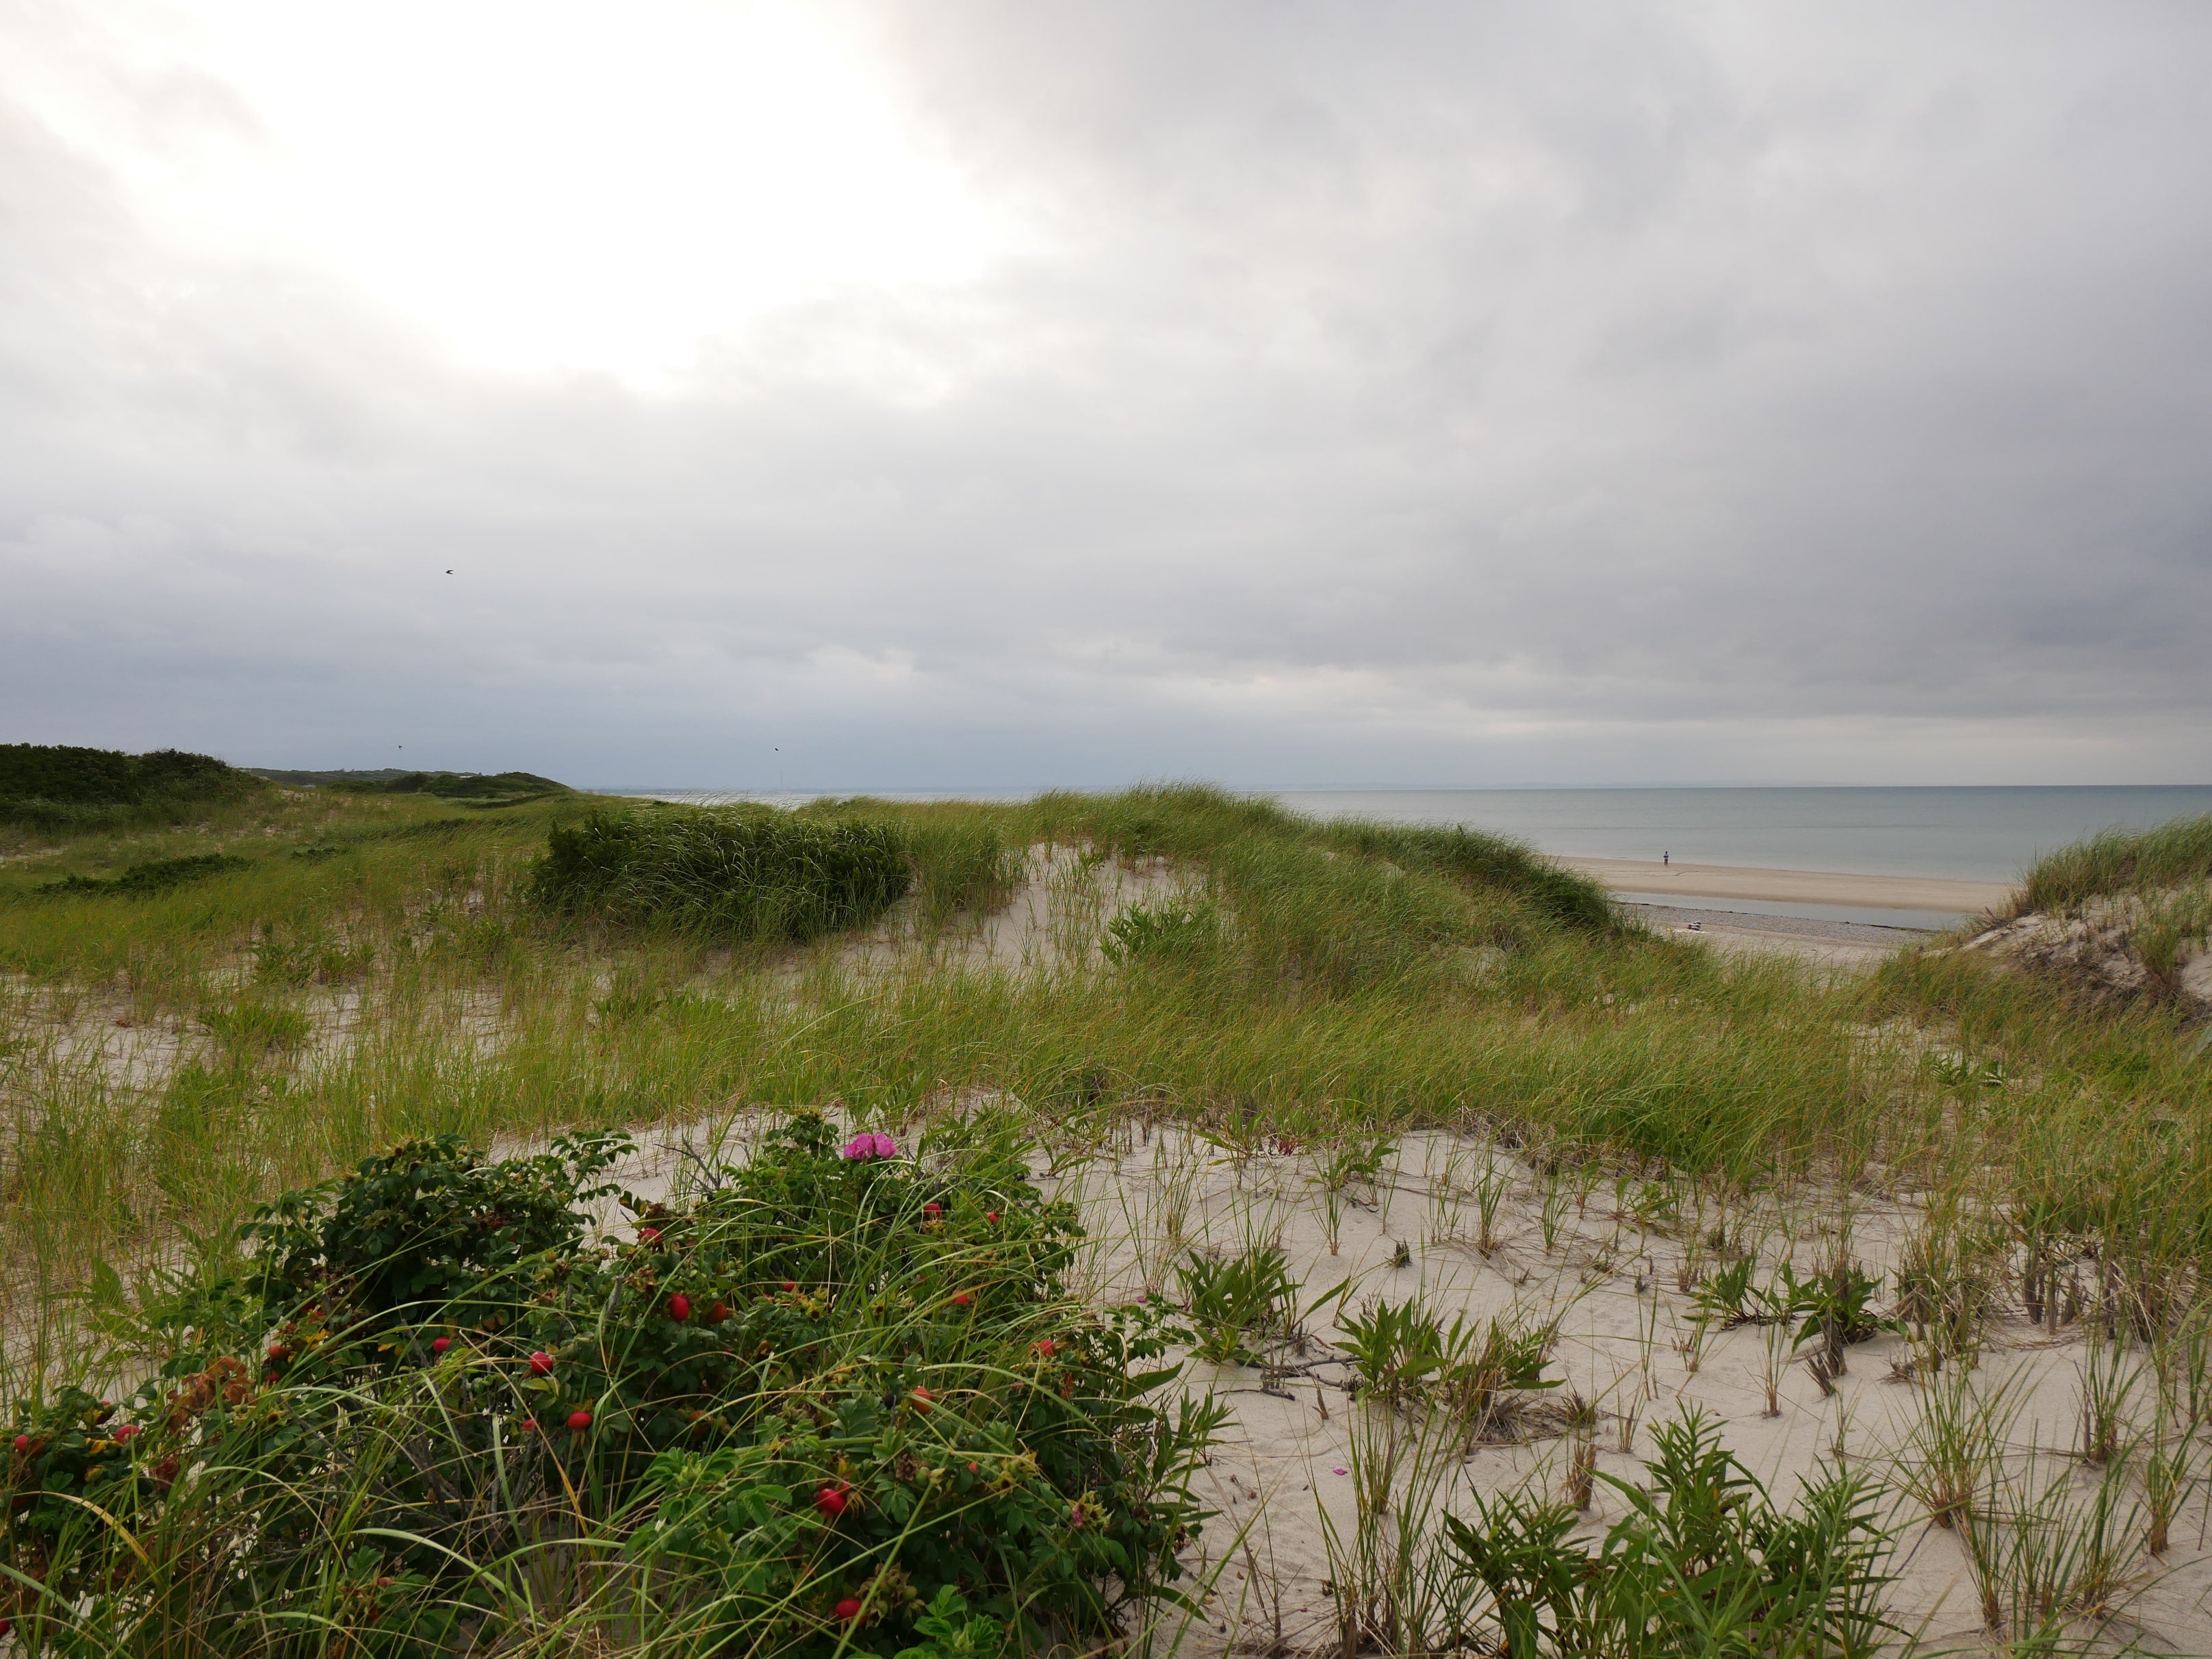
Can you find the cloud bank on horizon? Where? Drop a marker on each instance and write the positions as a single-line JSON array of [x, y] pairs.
[[990, 394]]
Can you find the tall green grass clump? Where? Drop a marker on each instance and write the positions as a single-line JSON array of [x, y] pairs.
[[753, 872], [965, 858], [2116, 861], [59, 788], [839, 1401]]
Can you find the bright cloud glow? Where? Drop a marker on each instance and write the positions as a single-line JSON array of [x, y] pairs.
[[542, 186]]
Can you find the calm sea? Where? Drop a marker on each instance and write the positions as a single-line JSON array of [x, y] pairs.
[[1980, 833]]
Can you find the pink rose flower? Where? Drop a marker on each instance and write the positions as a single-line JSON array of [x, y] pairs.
[[868, 1144]]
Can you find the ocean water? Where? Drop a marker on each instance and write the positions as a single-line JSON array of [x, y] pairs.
[[1977, 834], [1987, 833]]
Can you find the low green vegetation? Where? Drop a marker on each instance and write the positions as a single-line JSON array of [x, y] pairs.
[[1704, 1562], [61, 789], [478, 789], [1333, 988], [370, 967], [152, 877]]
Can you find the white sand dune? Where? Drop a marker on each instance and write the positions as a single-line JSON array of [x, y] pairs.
[[1611, 1274]]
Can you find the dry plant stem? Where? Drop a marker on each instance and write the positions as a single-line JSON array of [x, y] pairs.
[[1582, 1468], [2173, 1464], [1447, 1193], [1776, 1348], [1552, 1208], [1630, 1408], [2108, 1380], [1692, 1347], [1491, 1187]]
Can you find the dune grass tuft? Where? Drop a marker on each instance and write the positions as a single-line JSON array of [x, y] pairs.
[[2118, 861], [748, 872]]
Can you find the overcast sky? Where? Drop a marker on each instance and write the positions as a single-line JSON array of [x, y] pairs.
[[951, 394]]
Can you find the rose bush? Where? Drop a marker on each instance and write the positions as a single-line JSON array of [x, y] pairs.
[[791, 1416]]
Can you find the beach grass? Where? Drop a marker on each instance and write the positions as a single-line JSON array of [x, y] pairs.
[[2119, 861], [377, 967]]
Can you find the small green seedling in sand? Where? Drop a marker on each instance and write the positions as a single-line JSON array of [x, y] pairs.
[[1234, 1302], [1355, 1162], [1705, 1561]]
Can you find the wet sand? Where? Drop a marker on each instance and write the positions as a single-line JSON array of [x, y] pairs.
[[1724, 881]]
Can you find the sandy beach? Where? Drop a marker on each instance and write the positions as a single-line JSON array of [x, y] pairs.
[[1846, 945], [1795, 886]]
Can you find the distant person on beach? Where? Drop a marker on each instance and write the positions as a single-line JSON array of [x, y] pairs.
[[1665, 859]]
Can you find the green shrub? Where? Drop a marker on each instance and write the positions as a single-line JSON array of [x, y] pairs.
[[428, 1220], [842, 1402], [752, 871], [106, 777]]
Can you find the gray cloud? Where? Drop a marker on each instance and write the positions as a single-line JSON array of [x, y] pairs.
[[1391, 394]]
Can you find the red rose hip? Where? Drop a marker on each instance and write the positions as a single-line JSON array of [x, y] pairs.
[[442, 1344], [831, 1502], [679, 1307], [541, 1363], [848, 1611], [580, 1421]]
